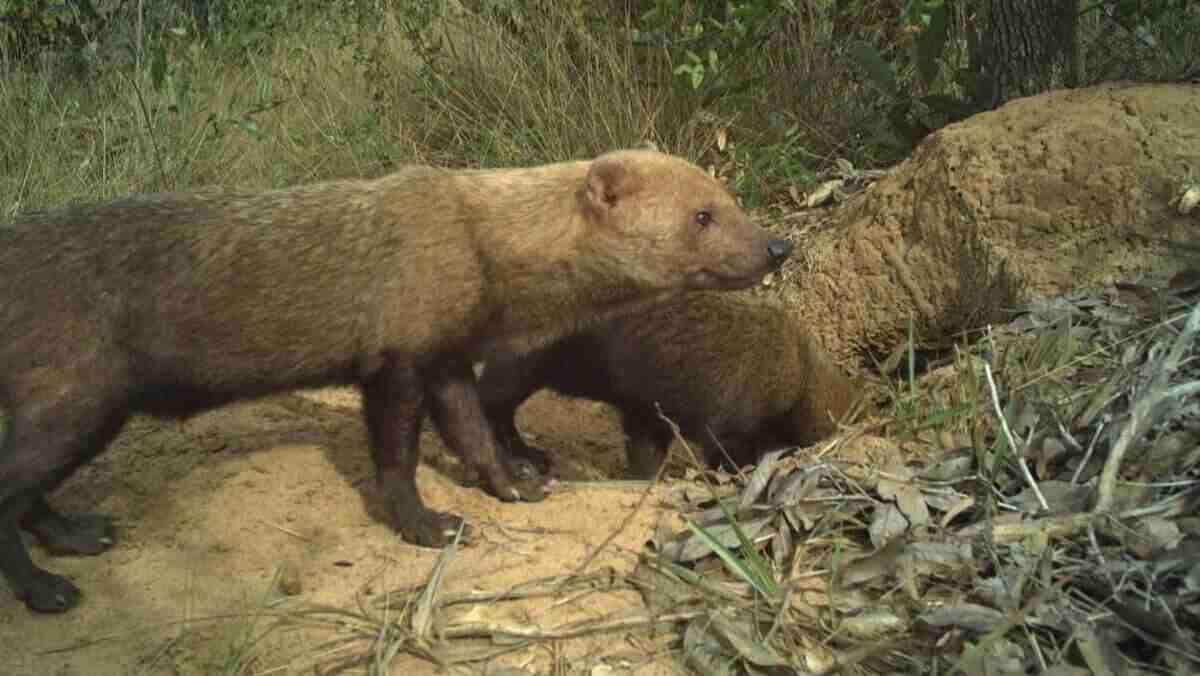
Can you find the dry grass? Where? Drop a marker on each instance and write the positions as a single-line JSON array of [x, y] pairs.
[[340, 94], [248, 120], [475, 90]]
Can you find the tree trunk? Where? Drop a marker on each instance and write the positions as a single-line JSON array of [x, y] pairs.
[[1020, 47]]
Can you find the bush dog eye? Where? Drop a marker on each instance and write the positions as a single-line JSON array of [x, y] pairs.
[[703, 218]]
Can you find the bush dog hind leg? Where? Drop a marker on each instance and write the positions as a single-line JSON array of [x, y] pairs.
[[459, 415], [46, 439], [514, 381]]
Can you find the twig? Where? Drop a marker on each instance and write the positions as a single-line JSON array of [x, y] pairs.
[[495, 631], [601, 580], [1028, 476], [142, 630], [422, 620], [1059, 525], [1175, 505], [1067, 438], [1091, 447], [285, 530], [162, 173], [1066, 525]]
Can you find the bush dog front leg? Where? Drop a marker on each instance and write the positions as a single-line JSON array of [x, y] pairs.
[[394, 404]]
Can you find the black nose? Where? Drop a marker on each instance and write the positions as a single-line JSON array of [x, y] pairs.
[[779, 250]]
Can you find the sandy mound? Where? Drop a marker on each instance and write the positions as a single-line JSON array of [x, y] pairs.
[[1064, 190]]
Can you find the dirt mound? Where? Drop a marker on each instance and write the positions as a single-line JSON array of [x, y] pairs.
[[1053, 192]]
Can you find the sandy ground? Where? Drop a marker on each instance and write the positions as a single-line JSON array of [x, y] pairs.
[[210, 508]]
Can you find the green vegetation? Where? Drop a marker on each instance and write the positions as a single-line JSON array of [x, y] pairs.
[[113, 97]]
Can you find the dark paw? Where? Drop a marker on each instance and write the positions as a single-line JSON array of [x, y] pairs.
[[48, 593], [431, 529], [522, 490], [523, 469], [526, 462], [78, 535]]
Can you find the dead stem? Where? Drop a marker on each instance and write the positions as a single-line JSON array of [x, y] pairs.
[[1017, 451]]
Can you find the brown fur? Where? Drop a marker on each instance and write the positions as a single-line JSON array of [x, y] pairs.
[[739, 376], [170, 304]]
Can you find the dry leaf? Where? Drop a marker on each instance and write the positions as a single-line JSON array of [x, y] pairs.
[[928, 558], [887, 522], [1155, 536], [963, 505], [1049, 451], [874, 624], [897, 485], [1062, 496], [872, 566], [952, 466], [794, 192], [734, 632], [791, 487], [971, 616], [703, 653], [823, 193], [1100, 654], [760, 478], [818, 659], [693, 547], [993, 658]]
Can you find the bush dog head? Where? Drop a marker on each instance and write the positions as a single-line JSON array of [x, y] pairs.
[[710, 244]]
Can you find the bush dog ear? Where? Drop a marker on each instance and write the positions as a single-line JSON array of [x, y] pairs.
[[609, 182]]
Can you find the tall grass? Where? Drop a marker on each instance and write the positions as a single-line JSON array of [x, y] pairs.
[[476, 89], [295, 109], [331, 92], [276, 93]]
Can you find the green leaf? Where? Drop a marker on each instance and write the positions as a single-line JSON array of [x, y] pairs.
[[763, 585]]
